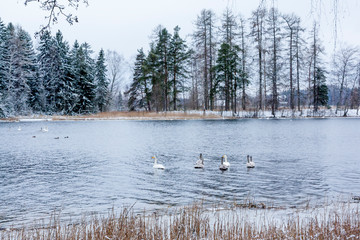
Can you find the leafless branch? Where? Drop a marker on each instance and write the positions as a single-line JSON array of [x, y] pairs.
[[55, 10]]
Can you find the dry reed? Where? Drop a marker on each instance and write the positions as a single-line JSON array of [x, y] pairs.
[[141, 115], [197, 222]]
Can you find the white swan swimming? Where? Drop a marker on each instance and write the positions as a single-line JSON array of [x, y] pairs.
[[223, 167], [157, 165], [226, 163], [250, 163], [44, 129], [19, 128], [200, 163]]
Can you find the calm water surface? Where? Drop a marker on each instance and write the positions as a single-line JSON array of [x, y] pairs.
[[105, 164]]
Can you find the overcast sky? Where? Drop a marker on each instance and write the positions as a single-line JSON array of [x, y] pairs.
[[125, 26]]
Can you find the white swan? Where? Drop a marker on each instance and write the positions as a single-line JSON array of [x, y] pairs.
[[19, 128], [250, 163], [226, 163], [200, 163], [44, 129], [157, 165], [223, 167]]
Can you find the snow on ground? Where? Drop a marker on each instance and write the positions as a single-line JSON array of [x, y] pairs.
[[286, 113], [198, 114]]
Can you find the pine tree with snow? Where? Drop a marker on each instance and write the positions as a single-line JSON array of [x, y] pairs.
[[102, 83]]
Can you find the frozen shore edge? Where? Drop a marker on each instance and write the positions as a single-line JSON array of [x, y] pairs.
[[192, 115]]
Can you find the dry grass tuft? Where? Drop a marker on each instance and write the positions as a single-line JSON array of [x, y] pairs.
[[196, 222]]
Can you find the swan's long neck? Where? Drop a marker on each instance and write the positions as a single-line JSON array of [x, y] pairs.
[[225, 158], [251, 159], [155, 160], [248, 160], [222, 160]]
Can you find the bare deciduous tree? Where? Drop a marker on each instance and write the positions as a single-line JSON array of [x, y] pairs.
[[345, 74], [115, 64]]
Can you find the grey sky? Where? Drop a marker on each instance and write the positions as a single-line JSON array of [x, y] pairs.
[[125, 26]]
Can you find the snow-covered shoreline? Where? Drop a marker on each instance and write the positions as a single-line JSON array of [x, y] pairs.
[[194, 115]]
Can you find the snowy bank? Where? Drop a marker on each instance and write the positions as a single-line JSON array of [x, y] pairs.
[[194, 115], [284, 113]]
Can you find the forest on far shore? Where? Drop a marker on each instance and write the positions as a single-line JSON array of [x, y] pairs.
[[267, 61]]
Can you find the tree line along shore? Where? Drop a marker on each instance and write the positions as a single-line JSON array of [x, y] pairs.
[[265, 61]]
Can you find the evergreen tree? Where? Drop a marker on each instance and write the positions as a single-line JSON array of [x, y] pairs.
[[3, 64], [315, 55], [74, 71], [178, 60], [19, 70], [162, 49], [321, 89], [102, 83], [154, 76], [8, 71], [84, 74], [44, 93], [27, 69], [228, 72], [64, 100], [139, 90]]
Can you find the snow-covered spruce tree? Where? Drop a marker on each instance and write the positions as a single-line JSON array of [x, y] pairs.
[[74, 70], [65, 93], [19, 71], [27, 69], [139, 92], [101, 82], [179, 57], [44, 93], [84, 67], [3, 63]]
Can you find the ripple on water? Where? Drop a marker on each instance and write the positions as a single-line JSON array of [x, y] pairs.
[[105, 164]]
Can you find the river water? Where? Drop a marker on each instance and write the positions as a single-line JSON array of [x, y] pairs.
[[85, 167]]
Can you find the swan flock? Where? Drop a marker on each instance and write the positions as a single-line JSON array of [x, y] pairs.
[[200, 163]]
